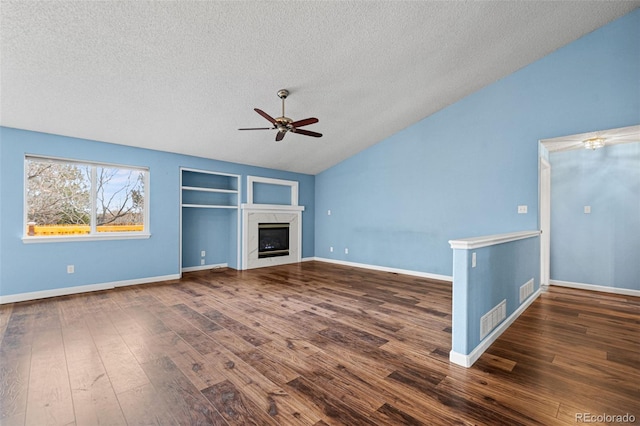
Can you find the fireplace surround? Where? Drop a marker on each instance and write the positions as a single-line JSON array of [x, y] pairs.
[[273, 218]]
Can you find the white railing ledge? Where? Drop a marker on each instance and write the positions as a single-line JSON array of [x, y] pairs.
[[490, 240]]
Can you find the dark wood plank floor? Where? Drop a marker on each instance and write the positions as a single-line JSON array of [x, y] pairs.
[[309, 344]]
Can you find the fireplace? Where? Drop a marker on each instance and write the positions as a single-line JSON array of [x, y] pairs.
[[259, 224], [273, 240]]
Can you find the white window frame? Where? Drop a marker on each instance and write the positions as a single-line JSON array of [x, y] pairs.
[[93, 235]]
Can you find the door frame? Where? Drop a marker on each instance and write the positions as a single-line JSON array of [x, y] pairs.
[[544, 218]]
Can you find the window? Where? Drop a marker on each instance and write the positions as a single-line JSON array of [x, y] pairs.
[[66, 198]]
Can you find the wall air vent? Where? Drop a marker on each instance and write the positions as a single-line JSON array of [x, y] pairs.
[[526, 290], [491, 319]]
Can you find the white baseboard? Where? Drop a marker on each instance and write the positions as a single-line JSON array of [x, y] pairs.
[[593, 287], [385, 269], [146, 280], [204, 267], [468, 360], [22, 297]]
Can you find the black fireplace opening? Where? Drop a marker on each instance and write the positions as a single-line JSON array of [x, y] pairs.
[[273, 240]]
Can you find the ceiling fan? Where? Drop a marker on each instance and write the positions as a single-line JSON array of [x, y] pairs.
[[285, 124]]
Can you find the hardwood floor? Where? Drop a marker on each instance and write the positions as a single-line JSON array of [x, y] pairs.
[[310, 344]]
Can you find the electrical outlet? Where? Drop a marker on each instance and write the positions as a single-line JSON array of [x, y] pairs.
[[587, 209], [522, 209], [330, 249], [71, 269], [346, 251], [202, 261], [203, 253]]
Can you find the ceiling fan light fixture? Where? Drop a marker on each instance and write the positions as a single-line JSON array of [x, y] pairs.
[[285, 124], [593, 143]]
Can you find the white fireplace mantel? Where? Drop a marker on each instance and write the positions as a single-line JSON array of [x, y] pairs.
[[271, 207], [253, 215]]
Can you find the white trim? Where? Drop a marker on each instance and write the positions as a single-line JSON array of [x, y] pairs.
[[210, 172], [86, 162], [204, 267], [594, 287], [237, 191], [93, 202], [295, 238], [386, 269], [201, 189], [268, 207], [468, 360], [490, 240], [208, 206], [149, 280], [93, 233], [271, 181], [99, 236], [459, 359], [245, 230], [544, 218], [21, 297]]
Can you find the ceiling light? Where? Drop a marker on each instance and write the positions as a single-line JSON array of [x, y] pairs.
[[593, 143]]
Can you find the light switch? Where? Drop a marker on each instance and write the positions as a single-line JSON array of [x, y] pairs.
[[473, 259]]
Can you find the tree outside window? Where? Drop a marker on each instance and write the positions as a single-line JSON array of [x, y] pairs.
[[73, 198]]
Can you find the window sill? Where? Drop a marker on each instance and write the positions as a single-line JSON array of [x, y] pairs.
[[76, 238]]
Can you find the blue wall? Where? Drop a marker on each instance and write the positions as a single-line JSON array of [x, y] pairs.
[[210, 230], [501, 270], [603, 247], [463, 171], [42, 266]]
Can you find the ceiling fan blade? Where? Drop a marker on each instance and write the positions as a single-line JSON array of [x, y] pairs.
[[257, 128], [279, 136], [265, 115], [304, 122], [307, 133]]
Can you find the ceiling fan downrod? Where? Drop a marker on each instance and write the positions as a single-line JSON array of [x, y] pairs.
[[282, 94]]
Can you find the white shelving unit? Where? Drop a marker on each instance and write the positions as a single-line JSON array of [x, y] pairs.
[[203, 189], [210, 190]]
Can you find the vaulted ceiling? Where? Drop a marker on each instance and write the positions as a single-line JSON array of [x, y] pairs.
[[183, 76]]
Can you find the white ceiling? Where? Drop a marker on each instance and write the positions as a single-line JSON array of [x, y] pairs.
[[183, 76]]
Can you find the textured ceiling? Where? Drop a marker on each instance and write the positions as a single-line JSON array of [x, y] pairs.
[[184, 76]]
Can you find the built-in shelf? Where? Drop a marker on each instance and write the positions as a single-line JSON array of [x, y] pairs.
[[209, 206], [195, 188], [210, 190], [209, 219]]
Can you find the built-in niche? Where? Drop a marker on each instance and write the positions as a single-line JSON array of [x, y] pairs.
[[210, 220], [271, 228]]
